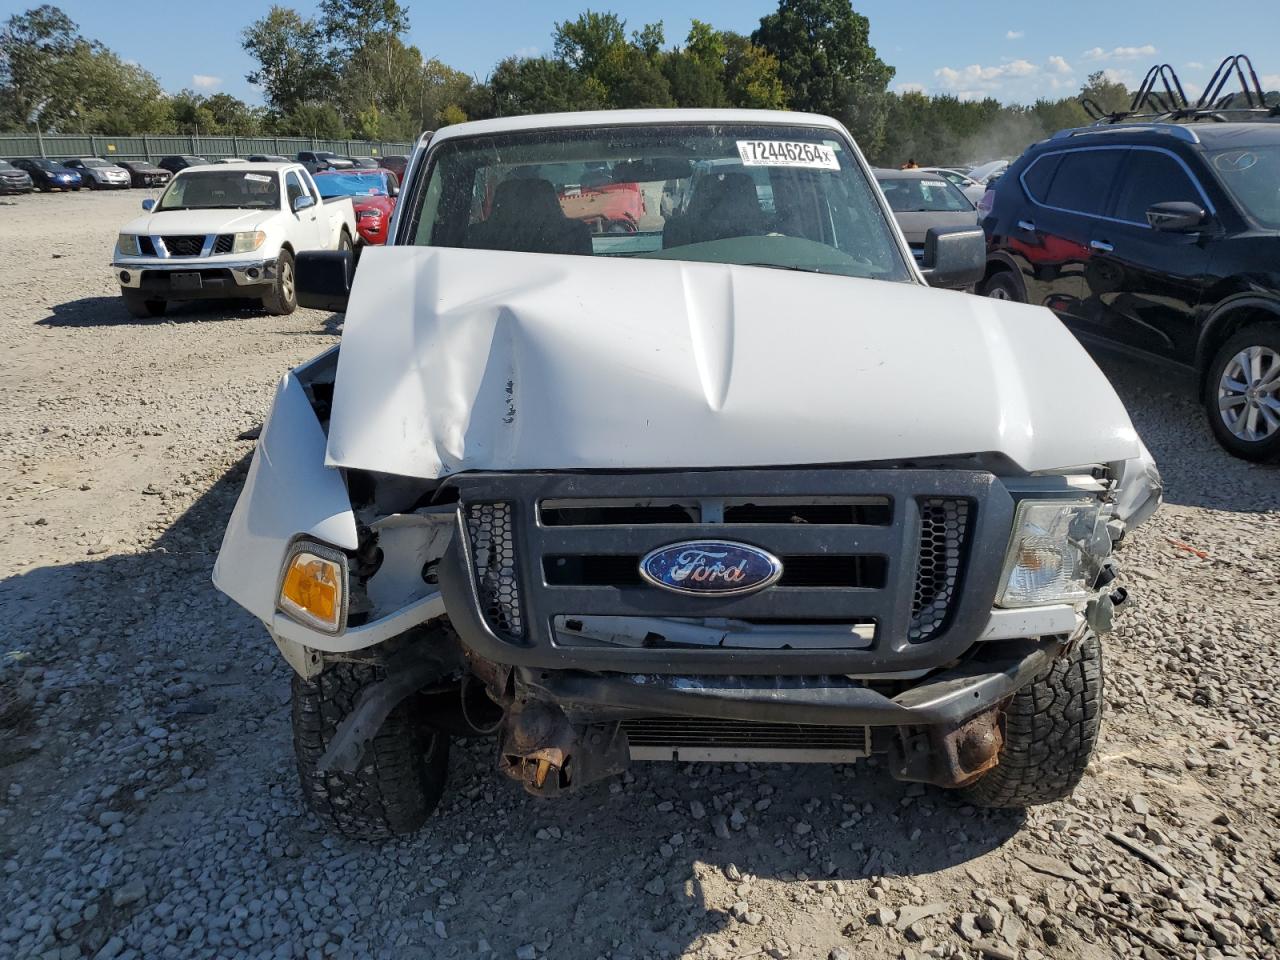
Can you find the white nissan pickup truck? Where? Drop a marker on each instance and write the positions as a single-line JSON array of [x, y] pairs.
[[228, 231], [735, 485]]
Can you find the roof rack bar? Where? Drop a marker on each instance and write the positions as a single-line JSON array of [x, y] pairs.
[[1171, 129]]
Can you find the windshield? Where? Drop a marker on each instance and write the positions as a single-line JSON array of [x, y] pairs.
[[47, 164], [923, 195], [1252, 176], [91, 162], [6, 165], [791, 197], [219, 189], [352, 185]]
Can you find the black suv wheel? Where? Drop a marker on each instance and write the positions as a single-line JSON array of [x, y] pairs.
[[1242, 393]]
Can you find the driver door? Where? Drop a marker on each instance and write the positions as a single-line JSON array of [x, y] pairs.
[[313, 228]]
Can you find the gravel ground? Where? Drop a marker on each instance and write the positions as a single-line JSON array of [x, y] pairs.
[[148, 807]]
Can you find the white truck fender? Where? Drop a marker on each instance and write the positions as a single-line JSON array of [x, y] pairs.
[[288, 493]]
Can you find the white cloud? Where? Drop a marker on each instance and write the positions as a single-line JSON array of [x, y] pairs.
[[1120, 53], [1270, 81], [204, 81], [912, 88], [1017, 81], [1194, 65], [1015, 34]]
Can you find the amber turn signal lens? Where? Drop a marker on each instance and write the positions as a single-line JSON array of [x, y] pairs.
[[311, 591]]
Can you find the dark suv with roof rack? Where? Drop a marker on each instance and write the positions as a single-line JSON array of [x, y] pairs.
[[1161, 240]]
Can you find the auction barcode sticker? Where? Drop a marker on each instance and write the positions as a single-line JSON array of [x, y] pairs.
[[258, 177], [787, 153]]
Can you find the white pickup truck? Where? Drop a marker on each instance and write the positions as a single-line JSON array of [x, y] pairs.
[[734, 486], [228, 232]]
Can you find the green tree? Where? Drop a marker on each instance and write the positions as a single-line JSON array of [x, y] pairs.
[[692, 82], [827, 63], [312, 119], [350, 24], [584, 43], [291, 55], [541, 85], [751, 75], [631, 80], [32, 44], [650, 39], [1111, 95]]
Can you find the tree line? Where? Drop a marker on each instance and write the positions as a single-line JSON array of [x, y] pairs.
[[350, 72]]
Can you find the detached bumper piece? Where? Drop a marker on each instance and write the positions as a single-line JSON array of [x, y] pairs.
[[569, 729]]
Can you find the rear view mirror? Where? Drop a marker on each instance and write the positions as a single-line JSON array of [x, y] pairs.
[[647, 171], [324, 279], [954, 257], [1176, 216], [147, 204]]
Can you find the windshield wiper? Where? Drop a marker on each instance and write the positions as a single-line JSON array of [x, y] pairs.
[[784, 266]]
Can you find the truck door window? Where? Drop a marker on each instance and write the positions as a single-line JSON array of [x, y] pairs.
[[293, 188]]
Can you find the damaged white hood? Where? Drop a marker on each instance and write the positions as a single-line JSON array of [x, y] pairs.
[[457, 360]]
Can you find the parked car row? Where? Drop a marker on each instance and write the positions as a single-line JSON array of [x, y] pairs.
[[25, 174]]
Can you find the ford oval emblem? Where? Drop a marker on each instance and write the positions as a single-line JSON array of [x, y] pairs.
[[711, 568]]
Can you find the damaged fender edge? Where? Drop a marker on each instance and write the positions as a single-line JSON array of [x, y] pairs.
[[288, 492]]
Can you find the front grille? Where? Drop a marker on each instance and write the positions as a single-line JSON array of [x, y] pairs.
[[690, 736], [910, 556], [943, 527], [494, 557], [183, 246], [224, 243]]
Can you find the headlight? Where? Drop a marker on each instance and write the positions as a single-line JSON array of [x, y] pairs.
[[128, 245], [313, 586], [1055, 554], [248, 242]]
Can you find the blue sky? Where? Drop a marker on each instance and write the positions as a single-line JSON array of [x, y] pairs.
[[1013, 51]]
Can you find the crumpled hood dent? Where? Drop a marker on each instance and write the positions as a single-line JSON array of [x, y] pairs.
[[457, 360]]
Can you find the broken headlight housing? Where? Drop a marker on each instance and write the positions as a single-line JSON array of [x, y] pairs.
[[313, 586], [1055, 554]]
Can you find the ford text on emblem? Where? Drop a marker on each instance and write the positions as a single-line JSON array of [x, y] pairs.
[[714, 568]]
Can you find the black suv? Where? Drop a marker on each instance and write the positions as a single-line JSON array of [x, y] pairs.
[[1162, 240]]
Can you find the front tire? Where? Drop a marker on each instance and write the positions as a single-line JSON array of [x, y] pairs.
[[1242, 394], [344, 243], [283, 298], [404, 769], [141, 306], [1002, 286], [1051, 727]]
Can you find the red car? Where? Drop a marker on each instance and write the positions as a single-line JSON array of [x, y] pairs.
[[373, 195]]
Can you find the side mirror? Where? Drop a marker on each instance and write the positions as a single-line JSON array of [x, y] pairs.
[[393, 189], [324, 279], [1176, 216], [147, 204], [302, 202], [954, 257]]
